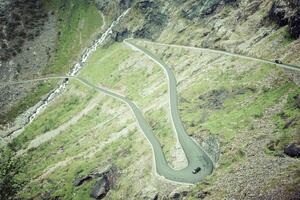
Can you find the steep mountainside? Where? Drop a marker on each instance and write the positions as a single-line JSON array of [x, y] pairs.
[[245, 113]]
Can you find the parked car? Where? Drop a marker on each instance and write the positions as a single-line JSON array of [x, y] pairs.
[[195, 171], [278, 61]]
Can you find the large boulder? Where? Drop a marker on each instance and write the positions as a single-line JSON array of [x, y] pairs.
[[100, 188], [105, 179]]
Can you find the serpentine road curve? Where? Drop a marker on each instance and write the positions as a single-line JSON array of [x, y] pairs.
[[195, 155]]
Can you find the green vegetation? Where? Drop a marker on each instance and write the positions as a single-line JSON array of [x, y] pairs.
[[226, 99], [120, 153], [233, 117], [103, 64], [78, 22], [28, 101], [287, 123], [12, 177], [56, 114], [104, 68]]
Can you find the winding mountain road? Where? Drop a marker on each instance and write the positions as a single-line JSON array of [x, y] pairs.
[[195, 155], [282, 65]]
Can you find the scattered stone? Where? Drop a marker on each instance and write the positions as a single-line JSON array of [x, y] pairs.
[[293, 150]]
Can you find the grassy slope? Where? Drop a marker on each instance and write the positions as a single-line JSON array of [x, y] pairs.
[[78, 23], [237, 118], [106, 71], [57, 113], [98, 71], [30, 100]]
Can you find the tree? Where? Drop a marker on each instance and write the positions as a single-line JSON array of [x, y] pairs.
[[10, 167]]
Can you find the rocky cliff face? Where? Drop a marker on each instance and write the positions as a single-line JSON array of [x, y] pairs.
[[112, 9], [198, 9], [147, 20]]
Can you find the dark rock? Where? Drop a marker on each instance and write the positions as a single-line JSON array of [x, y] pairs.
[[286, 13], [289, 123], [297, 100], [175, 195], [152, 25], [82, 180], [294, 25], [100, 188], [202, 195], [214, 99], [293, 149], [120, 36], [230, 1], [293, 3], [272, 145], [116, 7], [278, 14], [200, 9], [154, 19]]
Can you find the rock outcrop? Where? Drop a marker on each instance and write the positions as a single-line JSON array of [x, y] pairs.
[[287, 13], [104, 181], [113, 8], [154, 19], [100, 188], [147, 20]]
